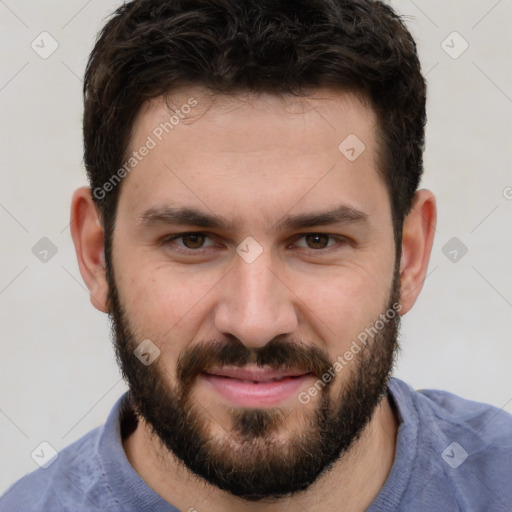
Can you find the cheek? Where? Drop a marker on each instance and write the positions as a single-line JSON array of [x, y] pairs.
[[166, 306], [344, 302]]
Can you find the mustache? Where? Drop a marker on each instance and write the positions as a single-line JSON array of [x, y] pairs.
[[278, 354]]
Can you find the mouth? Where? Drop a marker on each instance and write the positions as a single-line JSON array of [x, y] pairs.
[[255, 386]]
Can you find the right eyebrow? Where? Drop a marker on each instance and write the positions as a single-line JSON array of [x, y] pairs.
[[182, 216]]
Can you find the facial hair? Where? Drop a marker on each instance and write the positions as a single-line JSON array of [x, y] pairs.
[[250, 460]]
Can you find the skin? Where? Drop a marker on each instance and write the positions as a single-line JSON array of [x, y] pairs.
[[253, 160]]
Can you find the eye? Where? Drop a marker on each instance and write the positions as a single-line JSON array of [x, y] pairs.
[[319, 241], [192, 241]]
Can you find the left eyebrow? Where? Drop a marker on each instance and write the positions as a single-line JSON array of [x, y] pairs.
[[341, 215], [193, 217]]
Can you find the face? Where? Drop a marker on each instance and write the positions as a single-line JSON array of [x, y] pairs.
[[258, 258]]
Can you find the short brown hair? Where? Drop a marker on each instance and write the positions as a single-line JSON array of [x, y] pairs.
[[151, 48]]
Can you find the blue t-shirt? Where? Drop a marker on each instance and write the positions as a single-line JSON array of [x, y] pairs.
[[451, 455]]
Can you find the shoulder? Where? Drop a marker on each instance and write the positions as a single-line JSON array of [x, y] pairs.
[[80, 477], [448, 409], [465, 417], [467, 443], [59, 486]]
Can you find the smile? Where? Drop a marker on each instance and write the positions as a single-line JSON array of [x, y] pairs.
[[255, 387]]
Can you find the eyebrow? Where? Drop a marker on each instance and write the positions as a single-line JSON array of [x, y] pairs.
[[192, 217]]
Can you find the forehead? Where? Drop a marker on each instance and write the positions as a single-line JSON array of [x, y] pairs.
[[259, 152], [247, 122]]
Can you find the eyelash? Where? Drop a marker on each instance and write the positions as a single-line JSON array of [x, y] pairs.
[[168, 240]]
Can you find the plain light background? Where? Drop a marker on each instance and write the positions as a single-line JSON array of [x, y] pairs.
[[58, 377]]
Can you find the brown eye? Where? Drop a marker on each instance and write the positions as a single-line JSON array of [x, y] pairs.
[[193, 240], [317, 241], [189, 243]]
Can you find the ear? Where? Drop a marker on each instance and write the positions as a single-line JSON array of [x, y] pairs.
[[88, 237], [417, 239]]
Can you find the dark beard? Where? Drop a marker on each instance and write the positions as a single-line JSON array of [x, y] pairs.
[[250, 462]]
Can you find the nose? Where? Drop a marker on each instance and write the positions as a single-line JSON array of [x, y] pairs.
[[255, 305]]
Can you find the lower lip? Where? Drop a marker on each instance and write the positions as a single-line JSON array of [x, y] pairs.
[[253, 394]]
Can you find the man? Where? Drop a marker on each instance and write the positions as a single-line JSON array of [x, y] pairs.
[[254, 230]]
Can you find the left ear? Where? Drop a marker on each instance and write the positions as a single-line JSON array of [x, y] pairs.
[[417, 239]]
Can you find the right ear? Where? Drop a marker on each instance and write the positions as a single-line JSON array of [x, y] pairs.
[[89, 239]]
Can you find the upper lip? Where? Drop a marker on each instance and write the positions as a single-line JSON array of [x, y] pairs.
[[255, 373]]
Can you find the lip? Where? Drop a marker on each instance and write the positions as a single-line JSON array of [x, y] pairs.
[[253, 387], [255, 374]]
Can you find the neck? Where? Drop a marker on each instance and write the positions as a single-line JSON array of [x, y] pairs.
[[351, 485]]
